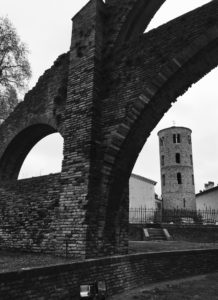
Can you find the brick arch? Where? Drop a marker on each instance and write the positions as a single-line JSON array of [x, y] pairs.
[[138, 19], [185, 69], [18, 148], [41, 113], [88, 95]]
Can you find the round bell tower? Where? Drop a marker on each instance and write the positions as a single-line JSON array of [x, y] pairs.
[[176, 164]]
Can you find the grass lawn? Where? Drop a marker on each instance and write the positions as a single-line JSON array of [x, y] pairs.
[[14, 260], [158, 246]]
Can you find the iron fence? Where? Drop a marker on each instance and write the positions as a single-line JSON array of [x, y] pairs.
[[144, 215]]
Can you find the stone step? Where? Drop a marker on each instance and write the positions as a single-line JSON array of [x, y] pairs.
[[156, 234]]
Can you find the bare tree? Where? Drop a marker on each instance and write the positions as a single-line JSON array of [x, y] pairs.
[[14, 65], [8, 100]]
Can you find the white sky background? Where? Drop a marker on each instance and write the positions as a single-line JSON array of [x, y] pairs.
[[45, 26]]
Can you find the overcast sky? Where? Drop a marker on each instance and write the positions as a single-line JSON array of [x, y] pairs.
[[45, 26]]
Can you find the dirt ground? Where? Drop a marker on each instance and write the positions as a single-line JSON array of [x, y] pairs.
[[195, 288]]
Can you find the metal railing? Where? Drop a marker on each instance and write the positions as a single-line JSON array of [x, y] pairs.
[[144, 215]]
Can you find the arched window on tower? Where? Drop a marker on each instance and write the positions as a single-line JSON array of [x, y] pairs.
[[162, 160], [161, 141], [176, 138], [163, 179], [191, 160], [179, 178], [178, 159], [193, 180], [189, 139]]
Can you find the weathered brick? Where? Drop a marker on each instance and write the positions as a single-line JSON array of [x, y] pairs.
[[104, 97]]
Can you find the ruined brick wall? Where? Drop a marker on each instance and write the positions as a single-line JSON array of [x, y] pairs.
[[121, 273], [136, 63], [4, 111], [105, 97], [145, 76], [44, 104], [29, 213], [6, 108], [82, 137], [149, 74]]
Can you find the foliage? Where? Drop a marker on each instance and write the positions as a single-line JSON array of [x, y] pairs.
[[14, 65], [8, 100]]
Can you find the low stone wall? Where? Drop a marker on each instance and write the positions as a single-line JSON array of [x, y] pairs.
[[121, 273], [193, 233], [28, 212], [189, 233]]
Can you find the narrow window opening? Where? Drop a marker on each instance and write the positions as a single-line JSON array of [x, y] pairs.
[[189, 139], [184, 203], [162, 160], [179, 178], [176, 138], [178, 160], [193, 180], [162, 141], [191, 160], [163, 179]]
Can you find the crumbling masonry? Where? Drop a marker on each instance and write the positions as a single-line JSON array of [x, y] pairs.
[[104, 97]]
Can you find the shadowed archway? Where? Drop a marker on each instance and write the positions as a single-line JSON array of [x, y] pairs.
[[16, 152]]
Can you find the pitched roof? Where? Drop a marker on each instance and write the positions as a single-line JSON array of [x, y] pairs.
[[207, 191], [143, 179]]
